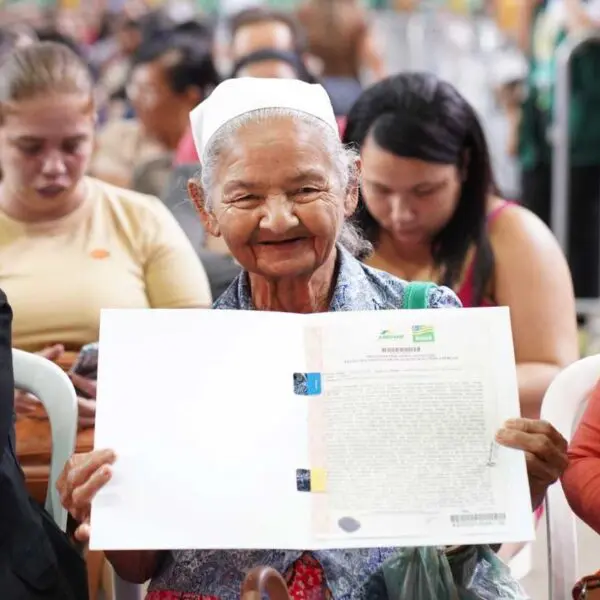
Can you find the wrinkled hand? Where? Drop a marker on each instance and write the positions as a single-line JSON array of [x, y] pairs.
[[26, 403], [86, 406], [79, 482], [545, 452]]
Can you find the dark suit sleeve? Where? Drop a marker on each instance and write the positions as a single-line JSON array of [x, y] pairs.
[[6, 374]]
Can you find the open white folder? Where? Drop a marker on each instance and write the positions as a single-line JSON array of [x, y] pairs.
[[244, 430]]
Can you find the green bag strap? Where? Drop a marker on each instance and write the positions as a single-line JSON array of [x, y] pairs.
[[416, 294]]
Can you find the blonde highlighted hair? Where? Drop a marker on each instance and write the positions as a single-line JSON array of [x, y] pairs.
[[41, 69]]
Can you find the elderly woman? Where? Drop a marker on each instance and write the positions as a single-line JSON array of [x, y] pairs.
[[278, 186]]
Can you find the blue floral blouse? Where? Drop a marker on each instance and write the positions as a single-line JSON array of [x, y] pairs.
[[219, 573]]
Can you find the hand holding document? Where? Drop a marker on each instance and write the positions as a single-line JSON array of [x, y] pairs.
[[333, 430]]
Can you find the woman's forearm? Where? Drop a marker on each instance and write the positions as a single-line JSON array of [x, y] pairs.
[[135, 566], [533, 380]]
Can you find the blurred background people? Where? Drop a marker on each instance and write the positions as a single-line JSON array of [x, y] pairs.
[[168, 77], [272, 64], [260, 28], [544, 25], [115, 58], [340, 36], [253, 29], [71, 245]]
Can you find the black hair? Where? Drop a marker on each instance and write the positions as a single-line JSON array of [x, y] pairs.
[[201, 29], [258, 14], [191, 62], [415, 115], [291, 58], [154, 23]]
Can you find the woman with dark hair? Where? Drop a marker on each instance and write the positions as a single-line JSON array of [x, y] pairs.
[[429, 206]]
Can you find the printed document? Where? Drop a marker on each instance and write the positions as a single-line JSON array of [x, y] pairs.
[[248, 430]]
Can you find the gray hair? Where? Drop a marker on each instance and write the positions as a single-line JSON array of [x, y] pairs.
[[344, 163]]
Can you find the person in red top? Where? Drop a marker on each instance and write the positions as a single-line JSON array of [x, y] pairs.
[[581, 480]]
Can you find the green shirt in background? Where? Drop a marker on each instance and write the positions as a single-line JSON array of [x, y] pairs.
[[584, 118]]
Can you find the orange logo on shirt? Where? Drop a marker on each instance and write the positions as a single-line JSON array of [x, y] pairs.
[[100, 253]]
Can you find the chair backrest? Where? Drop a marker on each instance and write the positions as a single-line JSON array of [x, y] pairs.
[[152, 176], [562, 406], [54, 389]]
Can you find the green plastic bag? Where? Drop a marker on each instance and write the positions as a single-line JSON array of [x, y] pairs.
[[469, 573]]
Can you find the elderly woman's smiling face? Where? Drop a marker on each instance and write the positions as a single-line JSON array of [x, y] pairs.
[[278, 198]]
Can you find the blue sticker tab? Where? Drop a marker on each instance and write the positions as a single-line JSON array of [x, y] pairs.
[[307, 384], [313, 381]]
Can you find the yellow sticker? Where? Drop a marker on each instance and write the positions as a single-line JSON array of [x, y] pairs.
[[318, 480]]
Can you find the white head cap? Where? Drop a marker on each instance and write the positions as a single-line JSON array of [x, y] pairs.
[[235, 97]]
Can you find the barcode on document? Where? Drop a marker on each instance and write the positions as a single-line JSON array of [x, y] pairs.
[[477, 519]]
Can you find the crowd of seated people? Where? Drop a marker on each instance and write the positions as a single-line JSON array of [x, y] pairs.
[[101, 195], [168, 77], [119, 248]]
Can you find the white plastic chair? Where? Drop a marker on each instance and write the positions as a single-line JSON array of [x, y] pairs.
[[55, 391], [563, 406]]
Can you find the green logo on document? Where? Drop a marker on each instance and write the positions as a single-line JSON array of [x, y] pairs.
[[423, 333], [388, 334]]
